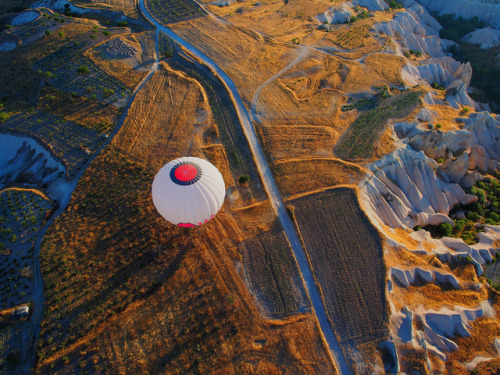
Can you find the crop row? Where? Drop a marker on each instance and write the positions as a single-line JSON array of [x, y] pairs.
[[345, 252], [169, 11], [273, 275]]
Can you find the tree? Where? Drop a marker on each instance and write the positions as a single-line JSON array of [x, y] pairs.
[[83, 69]]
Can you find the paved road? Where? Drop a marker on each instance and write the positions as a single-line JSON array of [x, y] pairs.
[[37, 278], [272, 190]]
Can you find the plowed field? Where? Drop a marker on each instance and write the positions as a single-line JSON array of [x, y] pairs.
[[273, 275], [346, 255]]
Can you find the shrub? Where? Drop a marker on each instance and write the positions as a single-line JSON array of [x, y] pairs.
[[393, 4], [4, 116], [244, 179], [106, 33], [439, 126], [83, 69], [122, 23], [445, 229], [494, 216], [472, 216], [47, 33], [440, 161], [61, 34]]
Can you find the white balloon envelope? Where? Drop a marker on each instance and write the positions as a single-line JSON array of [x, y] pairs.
[[188, 191]]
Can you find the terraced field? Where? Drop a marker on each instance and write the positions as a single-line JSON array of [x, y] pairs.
[[71, 142], [360, 138], [273, 275], [345, 252], [169, 11]]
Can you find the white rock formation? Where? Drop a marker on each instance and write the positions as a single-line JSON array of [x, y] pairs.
[[415, 29], [486, 10], [25, 17], [24, 161], [372, 5], [487, 37], [223, 3], [404, 191], [338, 14], [58, 5], [485, 141], [442, 325], [417, 276]]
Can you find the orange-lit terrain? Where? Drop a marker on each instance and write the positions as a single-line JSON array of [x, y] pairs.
[[360, 226]]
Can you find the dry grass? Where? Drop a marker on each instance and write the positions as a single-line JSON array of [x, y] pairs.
[[170, 106], [297, 176], [293, 141], [133, 294], [248, 58], [127, 70], [308, 93], [89, 113], [480, 343]]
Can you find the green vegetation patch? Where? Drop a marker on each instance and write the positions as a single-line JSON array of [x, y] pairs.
[[273, 275], [359, 139], [345, 252], [485, 211]]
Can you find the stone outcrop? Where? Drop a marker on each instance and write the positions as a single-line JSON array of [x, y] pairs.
[[487, 11], [486, 37], [405, 191], [338, 14]]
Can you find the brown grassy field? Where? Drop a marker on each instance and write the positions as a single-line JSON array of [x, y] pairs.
[[273, 275], [158, 122], [345, 252], [248, 58], [127, 292], [298, 176], [308, 93], [294, 141]]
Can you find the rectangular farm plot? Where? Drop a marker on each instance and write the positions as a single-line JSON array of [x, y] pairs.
[[345, 252], [169, 11], [273, 275]]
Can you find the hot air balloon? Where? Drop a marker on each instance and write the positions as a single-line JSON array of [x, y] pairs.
[[188, 191]]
